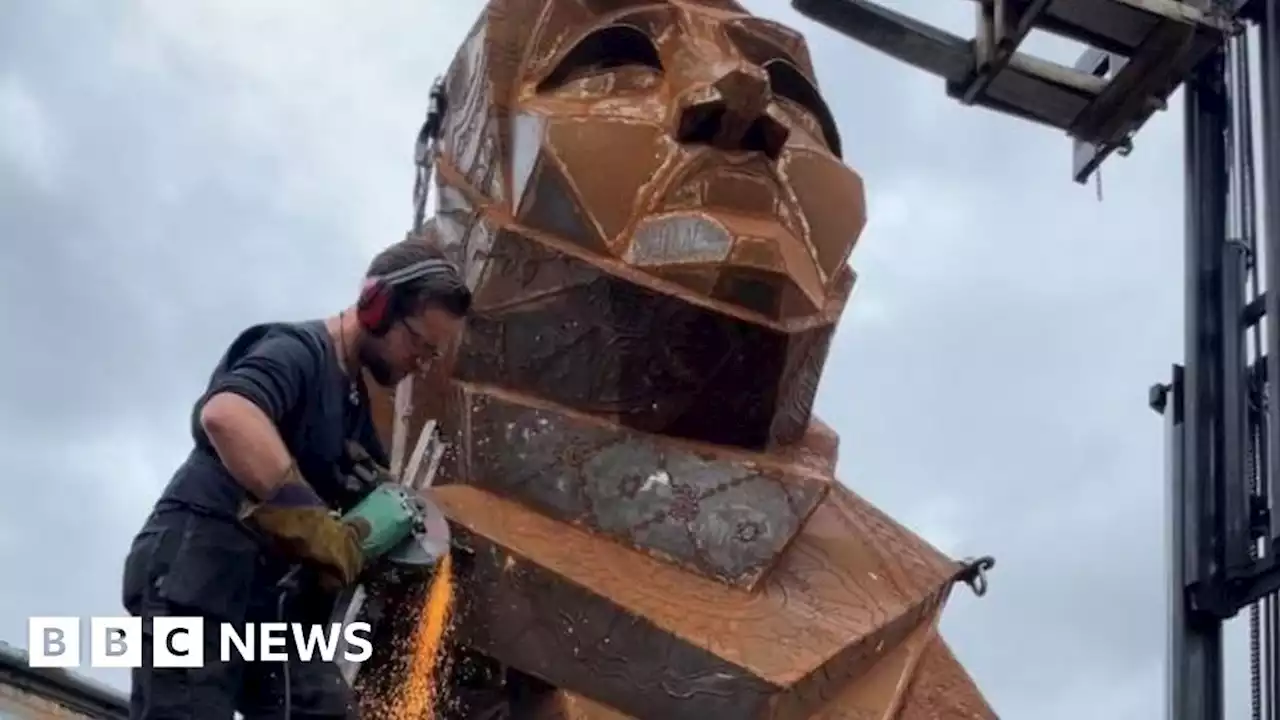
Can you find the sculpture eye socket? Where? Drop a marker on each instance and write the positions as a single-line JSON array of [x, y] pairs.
[[607, 50], [789, 83]]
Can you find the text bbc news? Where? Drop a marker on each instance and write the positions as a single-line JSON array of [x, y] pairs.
[[180, 642]]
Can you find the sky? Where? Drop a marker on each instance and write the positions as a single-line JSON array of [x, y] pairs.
[[171, 172]]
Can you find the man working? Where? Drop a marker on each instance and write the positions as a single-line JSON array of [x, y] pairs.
[[254, 496]]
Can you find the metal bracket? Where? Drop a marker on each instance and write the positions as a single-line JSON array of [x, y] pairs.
[[1158, 397], [429, 450], [402, 412], [1141, 51], [1222, 599]]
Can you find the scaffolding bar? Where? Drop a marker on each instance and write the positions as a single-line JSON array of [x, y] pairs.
[[1178, 666], [1269, 35], [1236, 488], [1195, 683]]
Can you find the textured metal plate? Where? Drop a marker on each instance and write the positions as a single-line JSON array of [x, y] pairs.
[[724, 514]]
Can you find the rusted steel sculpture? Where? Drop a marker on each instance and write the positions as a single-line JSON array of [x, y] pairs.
[[649, 203]]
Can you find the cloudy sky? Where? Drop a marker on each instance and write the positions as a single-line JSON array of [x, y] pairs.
[[173, 171]]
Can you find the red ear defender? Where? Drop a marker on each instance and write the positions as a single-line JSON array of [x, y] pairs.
[[375, 306], [371, 310]]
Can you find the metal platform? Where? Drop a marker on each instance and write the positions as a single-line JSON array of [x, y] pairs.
[[27, 692], [1140, 53]]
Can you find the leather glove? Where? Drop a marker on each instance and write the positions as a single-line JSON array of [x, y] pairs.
[[300, 523]]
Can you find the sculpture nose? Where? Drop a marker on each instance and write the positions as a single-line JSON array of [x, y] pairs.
[[731, 114]]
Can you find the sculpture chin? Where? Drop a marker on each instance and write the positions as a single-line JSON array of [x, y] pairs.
[[662, 362]]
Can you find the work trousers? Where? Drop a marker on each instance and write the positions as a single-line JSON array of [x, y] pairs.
[[186, 564]]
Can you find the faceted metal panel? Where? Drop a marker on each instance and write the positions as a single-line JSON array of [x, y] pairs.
[[528, 131], [940, 688], [727, 518], [573, 334], [529, 617], [551, 205], [823, 189], [877, 693], [651, 640], [586, 148], [470, 134]]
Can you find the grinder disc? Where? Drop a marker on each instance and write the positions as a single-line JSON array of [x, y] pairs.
[[429, 542]]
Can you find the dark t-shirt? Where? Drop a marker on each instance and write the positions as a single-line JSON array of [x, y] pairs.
[[291, 372]]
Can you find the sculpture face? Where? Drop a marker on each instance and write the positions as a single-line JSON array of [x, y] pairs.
[[679, 153], [694, 145]]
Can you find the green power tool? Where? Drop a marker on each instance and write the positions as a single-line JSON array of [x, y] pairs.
[[403, 527], [396, 522], [400, 524]]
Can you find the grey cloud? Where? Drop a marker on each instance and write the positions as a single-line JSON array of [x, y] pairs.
[[118, 287]]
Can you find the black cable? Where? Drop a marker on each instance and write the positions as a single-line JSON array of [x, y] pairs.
[[287, 583], [288, 689]]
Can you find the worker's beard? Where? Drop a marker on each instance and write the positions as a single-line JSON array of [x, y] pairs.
[[373, 363]]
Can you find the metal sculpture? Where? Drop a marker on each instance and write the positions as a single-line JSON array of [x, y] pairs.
[[649, 202]]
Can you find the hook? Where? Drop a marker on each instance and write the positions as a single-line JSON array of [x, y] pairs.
[[974, 573]]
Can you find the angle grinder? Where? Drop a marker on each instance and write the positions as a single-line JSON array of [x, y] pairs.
[[402, 526], [396, 524]]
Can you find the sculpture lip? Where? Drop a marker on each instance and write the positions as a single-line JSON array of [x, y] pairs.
[[691, 188], [707, 161], [754, 245]]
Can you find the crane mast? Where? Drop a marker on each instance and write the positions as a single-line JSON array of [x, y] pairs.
[[1221, 412]]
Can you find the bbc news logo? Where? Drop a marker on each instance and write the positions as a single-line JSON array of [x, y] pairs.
[[179, 642]]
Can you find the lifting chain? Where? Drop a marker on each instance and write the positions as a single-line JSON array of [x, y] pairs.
[[425, 150]]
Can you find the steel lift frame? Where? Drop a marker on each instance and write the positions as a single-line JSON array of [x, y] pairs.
[[1221, 410]]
